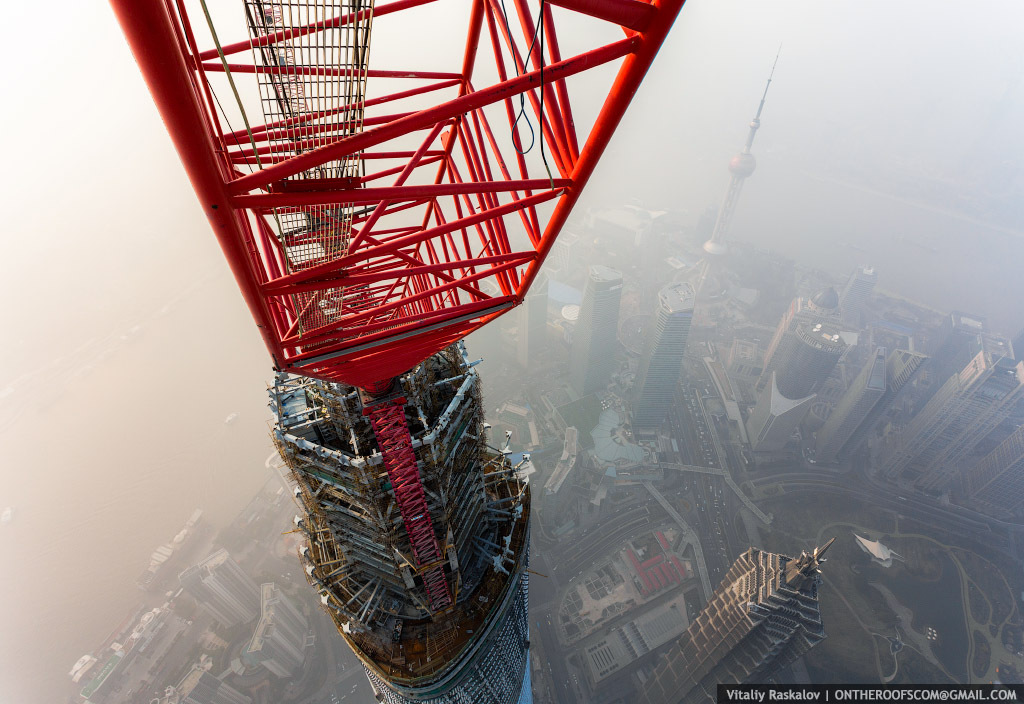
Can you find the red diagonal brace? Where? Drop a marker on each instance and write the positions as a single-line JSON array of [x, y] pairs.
[[392, 432]]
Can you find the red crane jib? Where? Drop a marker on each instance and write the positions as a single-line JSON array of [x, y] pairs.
[[392, 432], [436, 223]]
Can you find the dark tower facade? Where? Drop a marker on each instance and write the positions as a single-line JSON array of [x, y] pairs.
[[662, 362], [592, 358], [853, 408], [822, 307], [809, 357], [763, 616]]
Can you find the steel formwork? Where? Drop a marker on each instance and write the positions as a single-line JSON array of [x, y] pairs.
[[369, 233]]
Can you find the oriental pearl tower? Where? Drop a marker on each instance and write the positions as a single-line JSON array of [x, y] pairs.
[[740, 166]]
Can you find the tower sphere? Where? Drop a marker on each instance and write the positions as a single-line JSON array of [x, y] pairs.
[[742, 164]]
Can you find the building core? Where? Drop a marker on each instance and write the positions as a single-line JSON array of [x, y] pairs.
[[432, 598]]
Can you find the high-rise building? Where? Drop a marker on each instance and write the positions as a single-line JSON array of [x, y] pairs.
[[662, 362], [853, 408], [200, 687], [806, 359], [856, 292], [220, 586], [936, 442], [563, 256], [957, 345], [822, 307], [998, 478], [533, 324], [762, 617], [279, 641], [428, 587], [592, 358], [774, 418], [741, 167], [901, 367]]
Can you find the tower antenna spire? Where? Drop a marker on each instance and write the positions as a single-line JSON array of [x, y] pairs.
[[742, 165], [756, 122]]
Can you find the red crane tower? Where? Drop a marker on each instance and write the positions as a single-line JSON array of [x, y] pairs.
[[380, 214]]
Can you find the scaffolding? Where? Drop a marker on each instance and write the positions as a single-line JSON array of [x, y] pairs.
[[409, 518]]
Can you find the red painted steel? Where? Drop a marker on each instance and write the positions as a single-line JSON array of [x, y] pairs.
[[392, 432], [455, 222]]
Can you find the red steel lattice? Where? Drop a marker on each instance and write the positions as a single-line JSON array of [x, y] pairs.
[[434, 223], [392, 432]]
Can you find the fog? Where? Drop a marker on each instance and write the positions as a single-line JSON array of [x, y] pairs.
[[894, 128]]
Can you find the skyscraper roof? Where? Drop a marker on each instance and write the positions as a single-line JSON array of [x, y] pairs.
[[826, 299]]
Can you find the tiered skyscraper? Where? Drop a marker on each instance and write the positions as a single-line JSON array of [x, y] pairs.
[[279, 640], [592, 358], [219, 585], [763, 616], [741, 167], [855, 405], [856, 293], [938, 441], [662, 363], [391, 589]]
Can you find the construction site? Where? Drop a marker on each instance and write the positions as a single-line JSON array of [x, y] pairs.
[[372, 221], [383, 585]]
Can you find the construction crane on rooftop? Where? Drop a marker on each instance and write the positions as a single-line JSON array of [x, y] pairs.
[[373, 216]]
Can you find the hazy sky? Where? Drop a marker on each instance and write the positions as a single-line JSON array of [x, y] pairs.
[[103, 231]]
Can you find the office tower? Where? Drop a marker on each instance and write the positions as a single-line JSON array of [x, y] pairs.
[[662, 363], [200, 687], [762, 617], [853, 408], [901, 367], [856, 293], [592, 358], [957, 345], [533, 324], [807, 358], [563, 257], [804, 360], [426, 581], [822, 307], [998, 478], [741, 167], [279, 641], [936, 442], [219, 585], [774, 418], [1018, 345]]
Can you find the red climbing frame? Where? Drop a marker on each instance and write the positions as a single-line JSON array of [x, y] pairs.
[[445, 223], [388, 420], [436, 150]]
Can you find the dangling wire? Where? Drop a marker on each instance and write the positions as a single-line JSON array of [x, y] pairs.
[[521, 113]]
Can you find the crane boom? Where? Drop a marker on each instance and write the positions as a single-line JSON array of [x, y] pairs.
[[367, 233]]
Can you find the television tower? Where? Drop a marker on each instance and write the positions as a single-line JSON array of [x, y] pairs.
[[741, 166], [368, 236]]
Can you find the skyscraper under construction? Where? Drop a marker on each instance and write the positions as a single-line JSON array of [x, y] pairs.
[[368, 236], [430, 619], [763, 616]]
